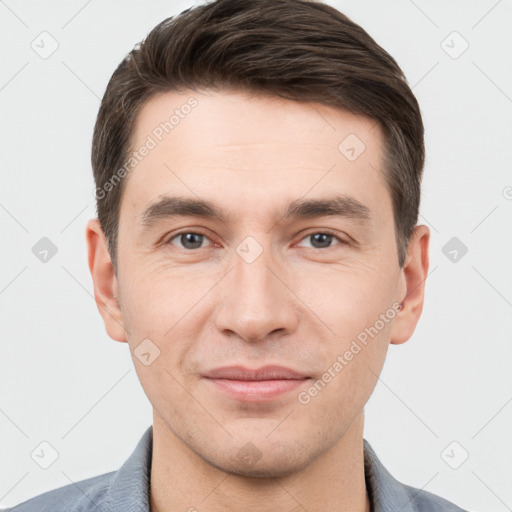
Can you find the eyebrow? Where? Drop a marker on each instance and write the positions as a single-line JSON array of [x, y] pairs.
[[175, 206]]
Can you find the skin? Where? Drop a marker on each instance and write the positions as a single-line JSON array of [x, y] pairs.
[[298, 304]]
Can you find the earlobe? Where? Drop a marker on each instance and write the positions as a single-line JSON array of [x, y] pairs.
[[414, 274], [104, 281]]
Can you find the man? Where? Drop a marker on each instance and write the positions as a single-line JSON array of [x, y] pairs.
[[258, 168]]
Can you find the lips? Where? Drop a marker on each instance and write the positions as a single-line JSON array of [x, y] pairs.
[[264, 373], [255, 385]]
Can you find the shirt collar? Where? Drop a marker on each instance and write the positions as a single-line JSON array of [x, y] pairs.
[[384, 491], [129, 491]]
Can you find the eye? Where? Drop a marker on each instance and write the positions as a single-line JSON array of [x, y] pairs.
[[322, 239], [189, 239]]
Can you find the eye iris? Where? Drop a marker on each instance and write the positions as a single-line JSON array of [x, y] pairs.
[[324, 238], [187, 239]]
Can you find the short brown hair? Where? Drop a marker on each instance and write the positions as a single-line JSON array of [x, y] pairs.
[[296, 49]]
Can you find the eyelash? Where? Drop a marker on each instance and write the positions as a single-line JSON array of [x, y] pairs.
[[323, 232]]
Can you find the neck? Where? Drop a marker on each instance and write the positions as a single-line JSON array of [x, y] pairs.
[[182, 481]]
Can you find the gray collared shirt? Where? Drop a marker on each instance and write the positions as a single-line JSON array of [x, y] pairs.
[[127, 490]]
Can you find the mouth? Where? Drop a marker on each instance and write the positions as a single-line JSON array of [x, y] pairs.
[[258, 385]]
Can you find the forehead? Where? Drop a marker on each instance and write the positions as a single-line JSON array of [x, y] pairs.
[[224, 144], [232, 117]]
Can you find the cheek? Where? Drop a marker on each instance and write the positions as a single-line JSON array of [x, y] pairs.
[[350, 375], [349, 298], [356, 306], [166, 309], [156, 299]]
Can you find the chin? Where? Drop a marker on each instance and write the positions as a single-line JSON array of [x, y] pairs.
[[270, 462], [268, 469]]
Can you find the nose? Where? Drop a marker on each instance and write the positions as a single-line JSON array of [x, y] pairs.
[[257, 300]]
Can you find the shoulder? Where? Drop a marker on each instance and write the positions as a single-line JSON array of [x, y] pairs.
[[424, 501], [91, 494], [118, 491], [387, 494]]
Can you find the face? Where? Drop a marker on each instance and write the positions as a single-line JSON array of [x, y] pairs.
[[292, 263]]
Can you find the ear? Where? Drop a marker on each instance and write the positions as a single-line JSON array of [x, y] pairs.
[[104, 280], [414, 274]]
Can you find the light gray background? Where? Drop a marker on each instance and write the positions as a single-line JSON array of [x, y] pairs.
[[62, 380]]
